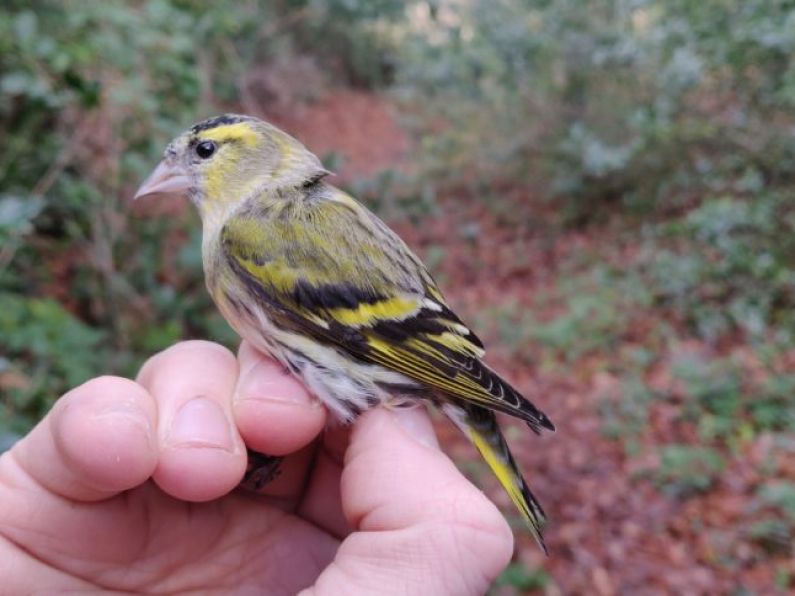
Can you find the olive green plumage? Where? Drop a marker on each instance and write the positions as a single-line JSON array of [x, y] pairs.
[[306, 273]]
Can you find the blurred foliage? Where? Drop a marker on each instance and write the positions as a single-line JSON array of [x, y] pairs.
[[776, 530], [58, 349], [639, 102], [625, 415], [687, 469], [722, 408], [596, 304], [523, 578], [728, 265]]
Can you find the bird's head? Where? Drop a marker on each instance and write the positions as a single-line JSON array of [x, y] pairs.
[[220, 162]]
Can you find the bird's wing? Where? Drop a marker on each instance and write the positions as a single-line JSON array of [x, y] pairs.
[[332, 270]]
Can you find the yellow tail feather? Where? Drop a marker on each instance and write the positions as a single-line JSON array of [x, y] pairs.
[[511, 480]]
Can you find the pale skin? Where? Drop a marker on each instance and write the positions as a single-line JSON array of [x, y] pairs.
[[130, 486]]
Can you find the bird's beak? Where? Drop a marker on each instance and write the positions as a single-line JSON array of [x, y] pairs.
[[167, 179]]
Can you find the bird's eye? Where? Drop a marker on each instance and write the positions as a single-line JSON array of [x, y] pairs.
[[205, 149]]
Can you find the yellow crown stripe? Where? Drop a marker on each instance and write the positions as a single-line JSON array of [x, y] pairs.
[[240, 131]]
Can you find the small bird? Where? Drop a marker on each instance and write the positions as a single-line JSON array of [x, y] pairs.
[[310, 276]]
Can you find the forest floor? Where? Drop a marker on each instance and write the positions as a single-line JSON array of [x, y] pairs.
[[615, 527]]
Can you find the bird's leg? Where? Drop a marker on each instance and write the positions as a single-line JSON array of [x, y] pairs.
[[261, 469]]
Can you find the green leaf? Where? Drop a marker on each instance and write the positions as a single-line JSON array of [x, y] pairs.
[[523, 578]]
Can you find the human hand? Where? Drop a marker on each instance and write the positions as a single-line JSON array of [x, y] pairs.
[[130, 486]]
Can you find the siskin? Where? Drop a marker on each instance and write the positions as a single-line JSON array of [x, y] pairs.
[[307, 274]]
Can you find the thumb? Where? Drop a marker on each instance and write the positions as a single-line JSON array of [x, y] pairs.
[[422, 528]]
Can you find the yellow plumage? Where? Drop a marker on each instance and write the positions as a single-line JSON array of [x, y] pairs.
[[308, 274]]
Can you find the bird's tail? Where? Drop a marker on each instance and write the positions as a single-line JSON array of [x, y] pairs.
[[480, 425]]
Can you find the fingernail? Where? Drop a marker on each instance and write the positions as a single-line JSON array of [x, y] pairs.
[[415, 422], [268, 381], [201, 422]]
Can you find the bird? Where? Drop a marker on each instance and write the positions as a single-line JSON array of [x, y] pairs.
[[307, 274]]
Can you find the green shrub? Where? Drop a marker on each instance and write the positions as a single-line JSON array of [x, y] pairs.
[[775, 530], [644, 105], [85, 288], [524, 579], [714, 395], [730, 265], [626, 414], [687, 469], [48, 350]]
